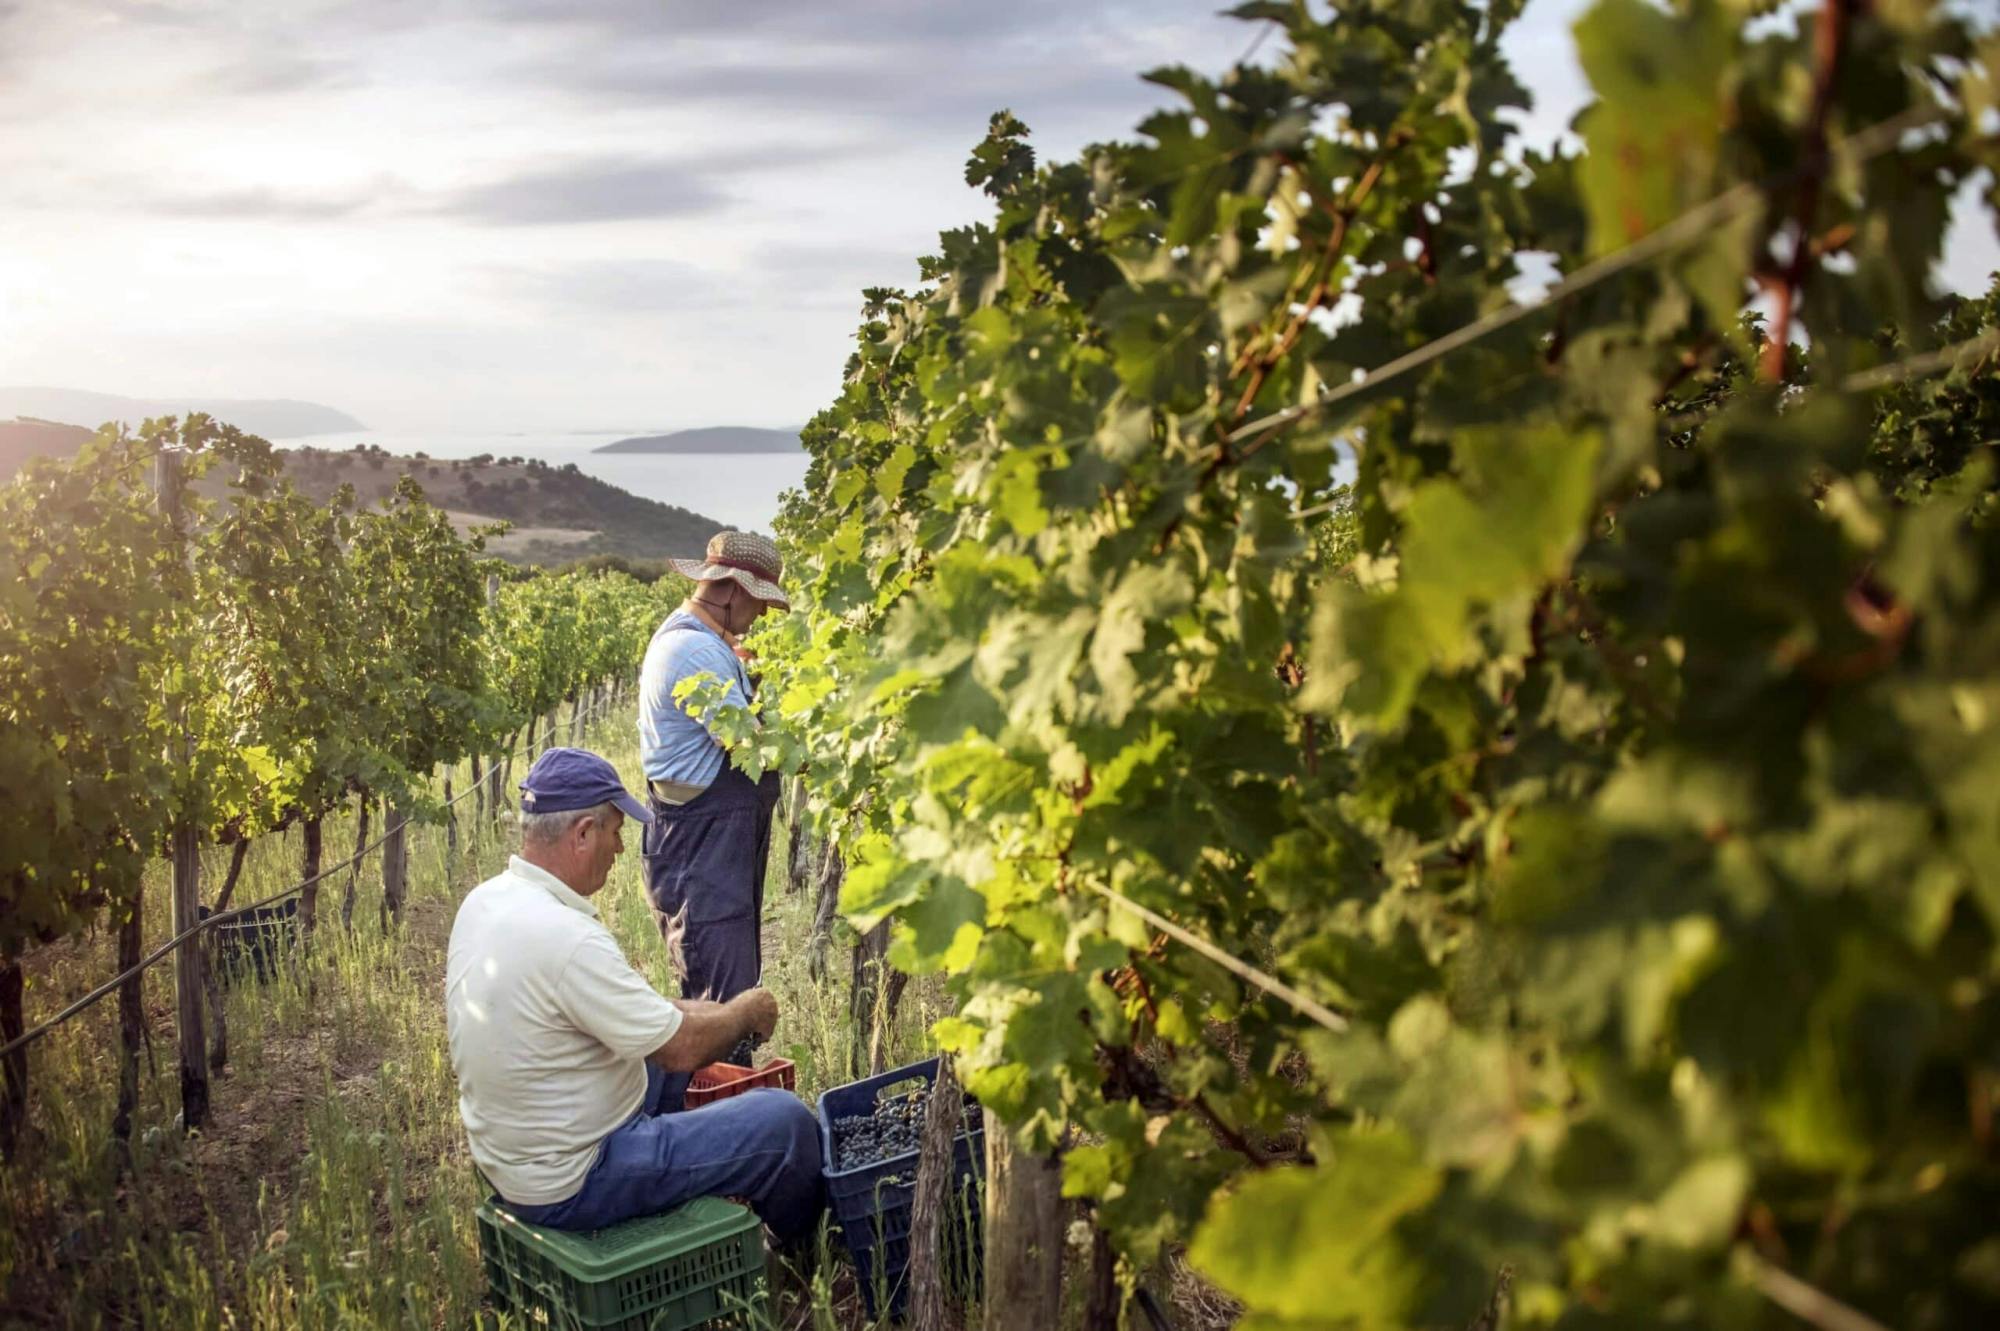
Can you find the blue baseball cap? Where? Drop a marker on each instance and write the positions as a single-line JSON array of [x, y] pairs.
[[565, 779]]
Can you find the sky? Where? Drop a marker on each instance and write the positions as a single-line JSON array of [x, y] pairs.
[[544, 215]]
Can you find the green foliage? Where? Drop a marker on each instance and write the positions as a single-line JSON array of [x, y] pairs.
[[1928, 431], [547, 635], [1618, 757], [751, 746], [417, 600], [276, 622], [234, 655], [83, 627]]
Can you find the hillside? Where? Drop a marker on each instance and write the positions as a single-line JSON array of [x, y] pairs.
[[559, 513], [273, 418], [714, 439], [28, 437]]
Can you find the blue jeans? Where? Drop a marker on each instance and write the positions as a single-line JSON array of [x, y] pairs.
[[761, 1146]]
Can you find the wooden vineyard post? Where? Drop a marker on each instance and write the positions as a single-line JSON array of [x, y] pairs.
[[14, 1097], [395, 864], [189, 992], [865, 998], [798, 847], [1103, 1300], [1024, 1235], [309, 866], [831, 870], [218, 1043], [504, 776], [131, 1015], [872, 994], [218, 1011], [478, 793], [489, 800], [185, 850], [354, 870], [931, 1236], [450, 819]]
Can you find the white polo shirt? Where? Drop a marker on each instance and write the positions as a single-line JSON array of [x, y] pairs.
[[549, 1028]]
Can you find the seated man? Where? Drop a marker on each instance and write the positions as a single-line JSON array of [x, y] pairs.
[[561, 1048]]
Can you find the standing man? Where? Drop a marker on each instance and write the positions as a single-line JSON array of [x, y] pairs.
[[710, 836], [568, 1061]]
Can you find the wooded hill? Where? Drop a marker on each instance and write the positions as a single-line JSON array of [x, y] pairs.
[[29, 437], [559, 514]]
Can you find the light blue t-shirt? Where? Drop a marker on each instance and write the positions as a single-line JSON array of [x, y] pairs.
[[673, 746]]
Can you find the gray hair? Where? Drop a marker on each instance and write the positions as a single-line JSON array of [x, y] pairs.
[[545, 829]]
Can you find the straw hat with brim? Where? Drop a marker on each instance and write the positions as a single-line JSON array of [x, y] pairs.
[[749, 560]]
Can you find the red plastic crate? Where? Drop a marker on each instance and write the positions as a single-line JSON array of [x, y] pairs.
[[719, 1081]]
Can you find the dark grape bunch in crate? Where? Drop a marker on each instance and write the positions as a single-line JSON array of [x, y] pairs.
[[895, 1128]]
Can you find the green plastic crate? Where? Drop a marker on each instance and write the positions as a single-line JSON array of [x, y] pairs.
[[696, 1266]]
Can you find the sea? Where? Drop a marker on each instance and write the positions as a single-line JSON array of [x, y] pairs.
[[739, 490]]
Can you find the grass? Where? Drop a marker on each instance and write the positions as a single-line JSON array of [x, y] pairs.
[[333, 1187]]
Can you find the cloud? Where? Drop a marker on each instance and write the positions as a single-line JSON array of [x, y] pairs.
[[601, 189], [15, 52], [256, 203], [267, 75], [62, 189], [917, 64], [789, 277], [916, 94], [869, 22], [616, 188], [616, 287], [823, 275], [604, 188]]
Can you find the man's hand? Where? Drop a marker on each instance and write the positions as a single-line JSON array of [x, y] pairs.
[[758, 1010], [709, 1031]]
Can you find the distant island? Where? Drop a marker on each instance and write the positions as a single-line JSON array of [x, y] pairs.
[[559, 515], [273, 418], [736, 439]]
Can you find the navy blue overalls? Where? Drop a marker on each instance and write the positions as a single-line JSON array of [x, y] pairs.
[[705, 875]]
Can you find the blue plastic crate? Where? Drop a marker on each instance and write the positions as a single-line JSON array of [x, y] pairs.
[[251, 945], [872, 1203]]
